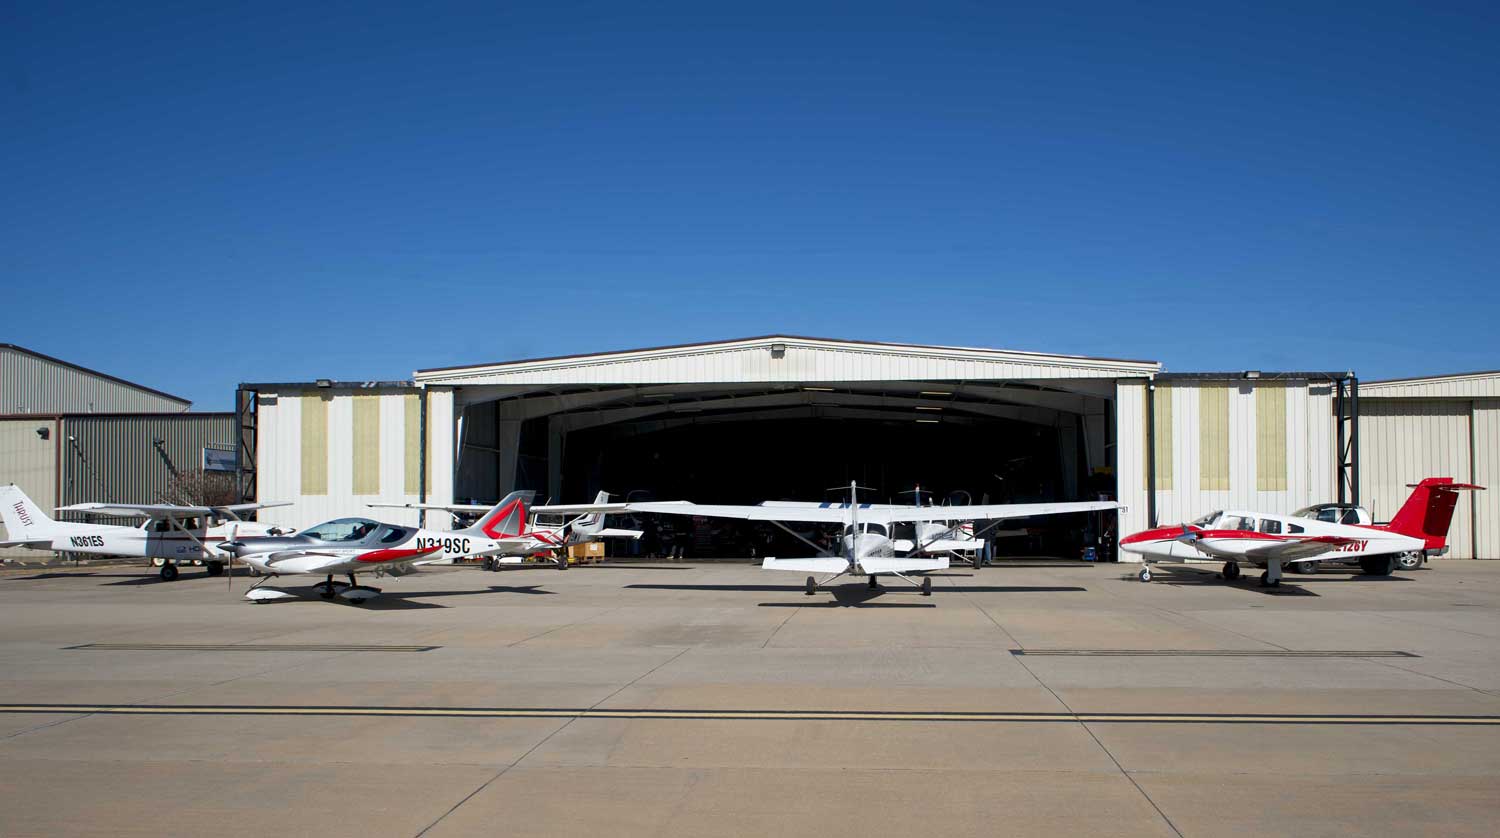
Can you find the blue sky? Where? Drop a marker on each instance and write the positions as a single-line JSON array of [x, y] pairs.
[[197, 197]]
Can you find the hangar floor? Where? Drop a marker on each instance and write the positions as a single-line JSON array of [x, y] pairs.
[[711, 700]]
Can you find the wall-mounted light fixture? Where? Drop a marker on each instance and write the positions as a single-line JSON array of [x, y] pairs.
[[778, 350], [44, 433], [325, 382], [1252, 373]]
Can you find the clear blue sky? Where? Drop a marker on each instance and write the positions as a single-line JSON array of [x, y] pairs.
[[195, 197]]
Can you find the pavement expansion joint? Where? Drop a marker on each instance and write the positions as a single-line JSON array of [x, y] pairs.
[[1214, 653], [246, 647], [754, 715]]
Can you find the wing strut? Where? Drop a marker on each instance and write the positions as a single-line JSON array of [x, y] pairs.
[[821, 551]]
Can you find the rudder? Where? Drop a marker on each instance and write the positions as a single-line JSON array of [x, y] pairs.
[[23, 518], [1428, 511]]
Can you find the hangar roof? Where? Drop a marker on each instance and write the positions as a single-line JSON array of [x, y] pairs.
[[788, 358], [1464, 385]]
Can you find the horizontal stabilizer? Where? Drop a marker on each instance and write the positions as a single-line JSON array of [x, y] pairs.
[[872, 564], [824, 564]]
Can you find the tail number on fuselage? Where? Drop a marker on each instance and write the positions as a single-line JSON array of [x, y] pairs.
[[1353, 546], [449, 545], [86, 540]]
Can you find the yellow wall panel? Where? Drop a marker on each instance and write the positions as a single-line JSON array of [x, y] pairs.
[[366, 463], [315, 444], [1270, 438], [1213, 438]]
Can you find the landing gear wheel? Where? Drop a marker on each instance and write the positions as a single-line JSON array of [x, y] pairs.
[[1377, 565], [168, 571], [1409, 561], [927, 586], [812, 586], [1231, 571], [873, 584], [1145, 574], [327, 591], [1305, 567], [215, 568], [1265, 581]]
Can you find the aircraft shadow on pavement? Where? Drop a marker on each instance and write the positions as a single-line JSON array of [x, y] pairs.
[[58, 575], [402, 600], [1248, 583], [851, 596]]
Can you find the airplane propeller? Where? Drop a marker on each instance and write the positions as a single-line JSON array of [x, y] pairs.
[[234, 532]]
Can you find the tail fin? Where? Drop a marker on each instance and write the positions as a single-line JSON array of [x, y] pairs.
[[592, 522], [507, 518], [22, 517], [1428, 512]]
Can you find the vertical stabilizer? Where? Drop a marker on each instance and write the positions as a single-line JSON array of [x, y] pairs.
[[505, 519], [23, 518], [1428, 511]]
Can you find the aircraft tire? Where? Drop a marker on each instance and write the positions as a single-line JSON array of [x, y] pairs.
[[927, 586], [1231, 571], [168, 572], [1265, 581], [215, 568], [1305, 567], [1377, 565], [1145, 574], [812, 586]]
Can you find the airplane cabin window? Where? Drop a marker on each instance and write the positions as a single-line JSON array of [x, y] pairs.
[[393, 535], [1351, 516], [1329, 515], [1294, 529], [1270, 526], [1242, 524]]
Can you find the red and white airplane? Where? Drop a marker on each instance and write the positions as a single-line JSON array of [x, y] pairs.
[[1273, 541]]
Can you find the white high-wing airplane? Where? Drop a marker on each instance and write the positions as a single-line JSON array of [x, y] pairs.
[[171, 533], [587, 524], [1272, 541], [866, 548]]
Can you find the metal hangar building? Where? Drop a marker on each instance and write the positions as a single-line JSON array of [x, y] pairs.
[[787, 417]]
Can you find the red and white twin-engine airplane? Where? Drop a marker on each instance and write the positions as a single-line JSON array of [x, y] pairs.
[[1272, 541]]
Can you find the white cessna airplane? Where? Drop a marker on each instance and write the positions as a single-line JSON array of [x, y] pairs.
[[866, 548], [550, 528], [1272, 541], [171, 533]]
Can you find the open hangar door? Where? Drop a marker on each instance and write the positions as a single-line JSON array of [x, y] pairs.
[[970, 442]]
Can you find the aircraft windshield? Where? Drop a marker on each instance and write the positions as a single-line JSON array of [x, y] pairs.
[[342, 529], [873, 529], [1208, 520]]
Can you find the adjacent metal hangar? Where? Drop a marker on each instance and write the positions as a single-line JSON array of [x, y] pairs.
[[786, 417]]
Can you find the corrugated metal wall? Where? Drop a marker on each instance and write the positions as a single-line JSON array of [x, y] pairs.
[[1404, 440], [30, 384], [1486, 504], [30, 462], [131, 459], [1222, 450]]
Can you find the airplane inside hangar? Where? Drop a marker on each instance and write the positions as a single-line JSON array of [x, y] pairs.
[[785, 418]]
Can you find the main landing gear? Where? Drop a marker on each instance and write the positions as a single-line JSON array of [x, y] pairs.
[[168, 571], [874, 586], [352, 592], [812, 586], [1231, 571]]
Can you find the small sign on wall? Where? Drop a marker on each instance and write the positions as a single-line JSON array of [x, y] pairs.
[[218, 459]]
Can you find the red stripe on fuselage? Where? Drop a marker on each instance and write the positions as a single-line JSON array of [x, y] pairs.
[[397, 554]]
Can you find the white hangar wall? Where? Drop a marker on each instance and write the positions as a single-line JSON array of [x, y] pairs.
[[1439, 426], [1263, 444], [331, 451]]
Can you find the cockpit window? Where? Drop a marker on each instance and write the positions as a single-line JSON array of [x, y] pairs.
[[342, 529], [1207, 520], [1270, 526], [1238, 522], [393, 535], [1328, 514], [872, 529]]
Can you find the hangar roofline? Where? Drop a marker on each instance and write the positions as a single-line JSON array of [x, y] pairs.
[[104, 375], [819, 341], [1450, 376], [1258, 375]]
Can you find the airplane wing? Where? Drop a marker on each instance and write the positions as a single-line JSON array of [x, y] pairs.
[[237, 508], [611, 532], [899, 564], [1288, 551], [34, 543], [554, 509], [307, 561], [824, 564], [746, 513], [154, 511], [441, 507], [989, 511]]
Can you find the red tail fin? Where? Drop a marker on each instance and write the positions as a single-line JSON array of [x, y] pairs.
[[506, 518], [1428, 512]]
